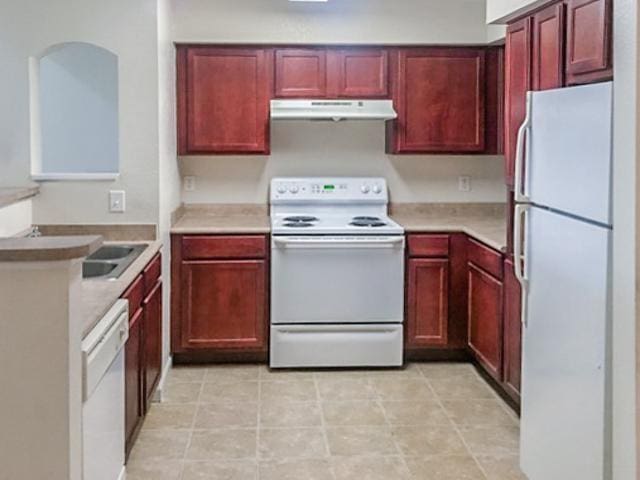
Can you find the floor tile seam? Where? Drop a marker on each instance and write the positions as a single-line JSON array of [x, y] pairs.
[[193, 423], [323, 424]]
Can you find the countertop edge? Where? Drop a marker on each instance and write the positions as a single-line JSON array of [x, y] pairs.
[[48, 249]]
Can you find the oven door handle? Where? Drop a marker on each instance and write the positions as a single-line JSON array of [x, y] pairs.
[[339, 242]]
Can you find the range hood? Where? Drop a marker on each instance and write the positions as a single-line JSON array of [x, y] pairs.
[[334, 110]]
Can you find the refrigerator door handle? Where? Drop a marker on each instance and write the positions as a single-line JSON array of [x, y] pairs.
[[521, 155], [519, 260]]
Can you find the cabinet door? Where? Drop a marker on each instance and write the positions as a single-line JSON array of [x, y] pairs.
[[301, 73], [152, 342], [440, 98], [223, 100], [358, 73], [133, 409], [517, 83], [548, 48], [494, 100], [589, 33], [485, 319], [427, 302], [224, 304], [512, 332]]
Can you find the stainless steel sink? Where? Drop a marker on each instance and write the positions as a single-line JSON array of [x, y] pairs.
[[109, 261]]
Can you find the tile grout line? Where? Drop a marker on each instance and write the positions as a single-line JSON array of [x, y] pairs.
[[323, 425], [193, 425], [455, 427], [258, 425]]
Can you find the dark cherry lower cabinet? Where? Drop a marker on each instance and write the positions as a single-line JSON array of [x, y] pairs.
[[219, 298], [512, 361], [143, 350]]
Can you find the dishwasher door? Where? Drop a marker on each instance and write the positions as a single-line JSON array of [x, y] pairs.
[[103, 384], [337, 280]]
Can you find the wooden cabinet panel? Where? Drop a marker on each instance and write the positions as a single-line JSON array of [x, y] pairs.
[[134, 294], [548, 48], [133, 410], [588, 41], [358, 73], [439, 94], [517, 83], [152, 329], [427, 302], [512, 362], [206, 246], [485, 319], [223, 304], [428, 245], [301, 73], [486, 258], [494, 100], [223, 100], [151, 274]]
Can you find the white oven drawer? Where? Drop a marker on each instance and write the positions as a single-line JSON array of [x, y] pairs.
[[337, 280], [336, 345]]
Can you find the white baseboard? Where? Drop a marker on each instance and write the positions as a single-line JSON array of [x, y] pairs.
[[157, 396]]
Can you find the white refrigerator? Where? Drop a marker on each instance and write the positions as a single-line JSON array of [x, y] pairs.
[[563, 237]]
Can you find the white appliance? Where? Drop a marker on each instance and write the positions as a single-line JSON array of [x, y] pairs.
[[334, 110], [337, 274], [103, 396], [563, 235]]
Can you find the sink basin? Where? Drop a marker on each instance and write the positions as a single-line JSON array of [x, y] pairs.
[[97, 269], [111, 252], [109, 261]]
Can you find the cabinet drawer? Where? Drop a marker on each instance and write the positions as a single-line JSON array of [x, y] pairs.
[[485, 258], [428, 245], [199, 247], [151, 273], [134, 294]]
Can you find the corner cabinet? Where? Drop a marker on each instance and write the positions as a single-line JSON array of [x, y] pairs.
[[439, 94], [223, 98], [219, 299]]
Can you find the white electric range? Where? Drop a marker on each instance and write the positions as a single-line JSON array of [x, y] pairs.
[[337, 274]]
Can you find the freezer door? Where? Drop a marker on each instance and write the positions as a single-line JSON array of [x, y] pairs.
[[565, 412], [568, 151]]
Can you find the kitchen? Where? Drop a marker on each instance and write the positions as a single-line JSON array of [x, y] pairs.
[[211, 162]]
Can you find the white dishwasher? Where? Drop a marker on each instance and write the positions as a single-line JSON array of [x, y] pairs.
[[103, 396]]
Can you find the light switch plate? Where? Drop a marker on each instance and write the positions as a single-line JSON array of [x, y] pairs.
[[464, 183], [190, 183], [117, 201]]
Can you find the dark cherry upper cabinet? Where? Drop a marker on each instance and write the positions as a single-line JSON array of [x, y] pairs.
[[548, 48], [223, 100], [301, 73], [358, 73], [512, 361], [152, 306], [589, 41], [494, 101], [517, 83], [439, 94], [427, 302], [485, 319]]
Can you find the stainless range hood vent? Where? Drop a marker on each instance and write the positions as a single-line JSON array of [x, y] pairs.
[[332, 110]]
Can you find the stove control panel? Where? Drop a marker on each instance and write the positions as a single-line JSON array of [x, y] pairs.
[[361, 189]]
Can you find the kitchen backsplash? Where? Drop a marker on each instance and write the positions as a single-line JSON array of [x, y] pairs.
[[355, 148]]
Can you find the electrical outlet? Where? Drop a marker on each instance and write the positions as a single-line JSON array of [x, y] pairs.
[[116, 201], [190, 184], [464, 183]]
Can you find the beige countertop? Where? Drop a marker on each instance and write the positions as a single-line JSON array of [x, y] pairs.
[[484, 222], [47, 249], [99, 295], [221, 219], [10, 195]]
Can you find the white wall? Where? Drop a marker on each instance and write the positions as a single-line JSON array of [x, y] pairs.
[[625, 238], [16, 218], [349, 148], [127, 29], [337, 21], [500, 11]]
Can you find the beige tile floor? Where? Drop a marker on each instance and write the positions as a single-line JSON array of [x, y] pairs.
[[244, 422]]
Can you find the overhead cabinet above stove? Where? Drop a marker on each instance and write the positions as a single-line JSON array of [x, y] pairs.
[[447, 99]]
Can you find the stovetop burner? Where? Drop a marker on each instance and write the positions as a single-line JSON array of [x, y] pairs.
[[300, 219], [298, 224], [367, 222], [366, 219]]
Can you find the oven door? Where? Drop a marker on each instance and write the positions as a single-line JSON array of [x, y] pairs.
[[337, 279]]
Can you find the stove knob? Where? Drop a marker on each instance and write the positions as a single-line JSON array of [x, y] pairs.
[[365, 189], [293, 189], [282, 189], [377, 189]]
